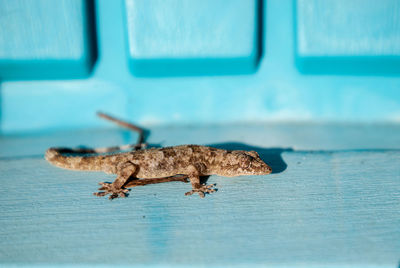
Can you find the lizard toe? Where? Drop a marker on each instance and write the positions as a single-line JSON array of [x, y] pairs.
[[100, 194], [113, 196], [203, 190]]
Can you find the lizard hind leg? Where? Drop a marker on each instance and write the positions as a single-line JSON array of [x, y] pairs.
[[116, 189], [197, 187]]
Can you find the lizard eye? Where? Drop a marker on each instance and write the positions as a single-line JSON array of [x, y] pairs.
[[254, 154], [245, 162]]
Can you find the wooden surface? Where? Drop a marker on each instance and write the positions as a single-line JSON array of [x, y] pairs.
[[336, 206]]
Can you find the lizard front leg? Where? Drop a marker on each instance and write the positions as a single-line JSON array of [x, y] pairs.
[[116, 189], [197, 187]]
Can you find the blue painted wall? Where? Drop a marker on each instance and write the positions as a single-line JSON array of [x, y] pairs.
[[171, 62]]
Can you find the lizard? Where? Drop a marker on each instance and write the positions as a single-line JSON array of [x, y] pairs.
[[152, 164]]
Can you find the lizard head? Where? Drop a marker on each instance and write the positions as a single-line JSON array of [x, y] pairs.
[[244, 163]]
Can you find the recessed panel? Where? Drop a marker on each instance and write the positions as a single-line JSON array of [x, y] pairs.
[[46, 39], [178, 37], [348, 36]]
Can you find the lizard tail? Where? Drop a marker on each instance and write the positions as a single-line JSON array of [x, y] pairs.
[[55, 157]]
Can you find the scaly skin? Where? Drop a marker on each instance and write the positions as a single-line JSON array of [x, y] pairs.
[[193, 161]]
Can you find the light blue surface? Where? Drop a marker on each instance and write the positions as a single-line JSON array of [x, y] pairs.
[[45, 39], [348, 37], [304, 215], [176, 37], [277, 91], [327, 204]]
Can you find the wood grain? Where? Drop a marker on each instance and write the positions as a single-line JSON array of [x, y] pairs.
[[335, 208]]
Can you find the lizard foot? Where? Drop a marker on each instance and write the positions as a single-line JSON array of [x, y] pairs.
[[202, 190], [108, 188]]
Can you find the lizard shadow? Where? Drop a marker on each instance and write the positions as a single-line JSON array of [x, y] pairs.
[[271, 156]]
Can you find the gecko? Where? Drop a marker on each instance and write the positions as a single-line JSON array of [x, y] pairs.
[[151, 164]]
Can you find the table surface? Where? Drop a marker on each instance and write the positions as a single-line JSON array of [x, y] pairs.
[[332, 200]]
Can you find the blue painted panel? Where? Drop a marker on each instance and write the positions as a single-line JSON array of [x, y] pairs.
[[178, 37], [46, 39], [275, 92], [348, 36]]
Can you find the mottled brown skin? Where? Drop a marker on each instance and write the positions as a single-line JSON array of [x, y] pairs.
[[190, 160]]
